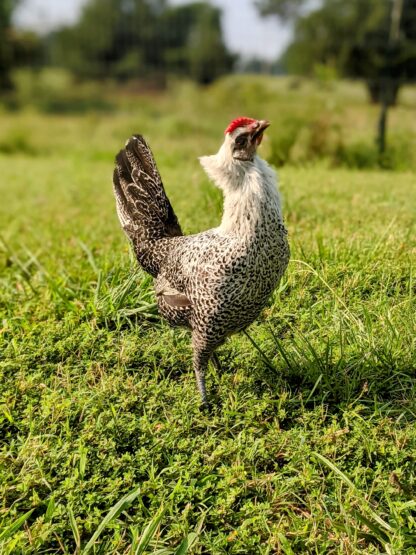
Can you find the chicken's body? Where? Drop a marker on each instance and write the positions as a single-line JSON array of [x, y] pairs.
[[215, 282]]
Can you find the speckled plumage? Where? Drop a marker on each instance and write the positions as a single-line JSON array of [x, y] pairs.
[[215, 282]]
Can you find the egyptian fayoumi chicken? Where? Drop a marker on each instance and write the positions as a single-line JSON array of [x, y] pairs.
[[215, 282]]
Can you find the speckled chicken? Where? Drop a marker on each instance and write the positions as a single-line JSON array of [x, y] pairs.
[[215, 282]]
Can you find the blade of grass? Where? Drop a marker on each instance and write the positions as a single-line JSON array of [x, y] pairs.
[[318, 381], [186, 544], [356, 320], [50, 509], [90, 257], [280, 348], [83, 453], [74, 528], [112, 514], [191, 538], [356, 491], [284, 544], [149, 532], [14, 527], [379, 535], [258, 349]]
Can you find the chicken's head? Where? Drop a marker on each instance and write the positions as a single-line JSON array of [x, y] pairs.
[[243, 136]]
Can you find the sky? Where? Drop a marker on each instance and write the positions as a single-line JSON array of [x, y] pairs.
[[245, 32]]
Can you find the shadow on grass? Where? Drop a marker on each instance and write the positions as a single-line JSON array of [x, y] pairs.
[[344, 382]]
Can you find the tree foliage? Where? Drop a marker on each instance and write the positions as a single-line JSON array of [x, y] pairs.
[[386, 61], [353, 37], [207, 56], [138, 38], [284, 9], [17, 47], [6, 42]]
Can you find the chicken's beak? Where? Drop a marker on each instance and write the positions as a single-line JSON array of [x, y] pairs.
[[260, 126]]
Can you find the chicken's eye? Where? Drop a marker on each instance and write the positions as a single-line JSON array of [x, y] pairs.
[[241, 140]]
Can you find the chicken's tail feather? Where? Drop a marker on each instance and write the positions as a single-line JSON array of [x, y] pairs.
[[143, 207]]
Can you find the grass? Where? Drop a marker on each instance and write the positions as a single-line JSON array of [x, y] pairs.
[[312, 445]]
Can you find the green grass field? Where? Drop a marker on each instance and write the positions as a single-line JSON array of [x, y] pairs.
[[311, 447]]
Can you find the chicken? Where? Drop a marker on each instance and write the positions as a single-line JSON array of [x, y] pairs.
[[218, 281]]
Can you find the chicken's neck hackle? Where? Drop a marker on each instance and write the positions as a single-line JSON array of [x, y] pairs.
[[249, 190]]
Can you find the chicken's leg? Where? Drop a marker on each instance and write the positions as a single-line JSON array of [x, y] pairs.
[[201, 358]]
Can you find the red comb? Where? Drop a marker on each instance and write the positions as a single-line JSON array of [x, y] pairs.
[[239, 122]]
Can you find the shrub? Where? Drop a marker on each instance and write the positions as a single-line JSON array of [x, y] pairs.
[[55, 91]]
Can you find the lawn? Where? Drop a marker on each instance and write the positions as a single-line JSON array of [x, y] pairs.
[[311, 446]]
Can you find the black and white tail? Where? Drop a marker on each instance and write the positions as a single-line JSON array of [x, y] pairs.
[[143, 208]]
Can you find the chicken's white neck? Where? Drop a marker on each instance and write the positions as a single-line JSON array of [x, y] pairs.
[[250, 194]]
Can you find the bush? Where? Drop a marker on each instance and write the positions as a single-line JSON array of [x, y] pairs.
[[55, 91], [303, 141], [364, 155], [17, 142], [358, 155], [321, 138], [325, 75]]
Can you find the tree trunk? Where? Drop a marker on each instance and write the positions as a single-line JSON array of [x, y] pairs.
[[389, 87], [382, 124]]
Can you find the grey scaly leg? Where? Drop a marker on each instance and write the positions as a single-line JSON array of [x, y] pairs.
[[201, 358]]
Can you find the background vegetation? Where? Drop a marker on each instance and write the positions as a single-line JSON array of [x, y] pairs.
[[123, 39], [374, 40], [311, 447], [149, 41]]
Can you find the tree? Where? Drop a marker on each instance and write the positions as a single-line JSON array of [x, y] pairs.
[[193, 42], [114, 38], [140, 38], [284, 9], [374, 40], [352, 36], [6, 42], [207, 55]]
